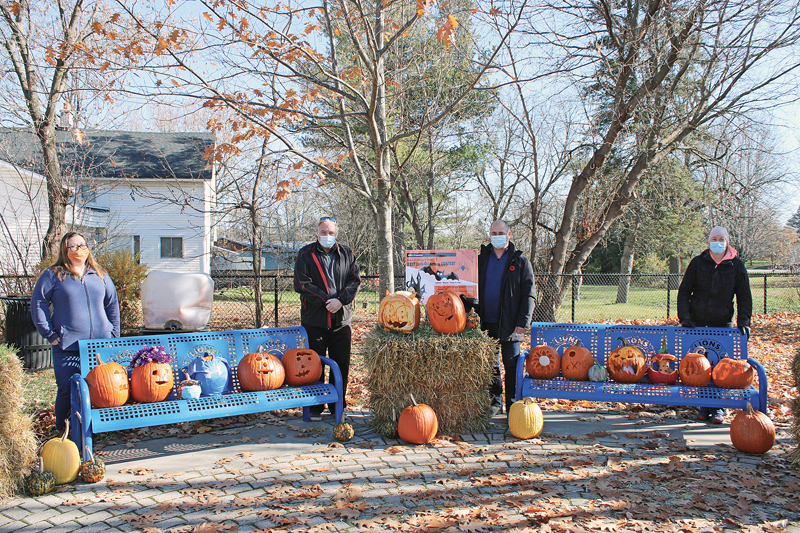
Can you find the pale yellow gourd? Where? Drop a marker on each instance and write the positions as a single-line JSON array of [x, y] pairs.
[[61, 457], [525, 419]]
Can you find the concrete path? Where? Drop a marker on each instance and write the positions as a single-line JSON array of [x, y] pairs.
[[588, 471]]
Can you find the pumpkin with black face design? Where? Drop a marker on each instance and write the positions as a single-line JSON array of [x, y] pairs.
[[302, 366], [260, 370], [627, 363]]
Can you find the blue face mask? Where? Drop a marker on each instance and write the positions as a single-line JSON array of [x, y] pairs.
[[499, 241], [717, 247], [326, 241]]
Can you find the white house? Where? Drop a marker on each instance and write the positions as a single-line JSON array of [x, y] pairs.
[[150, 192]]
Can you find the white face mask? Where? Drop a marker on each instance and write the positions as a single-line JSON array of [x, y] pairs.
[[326, 241], [499, 241]]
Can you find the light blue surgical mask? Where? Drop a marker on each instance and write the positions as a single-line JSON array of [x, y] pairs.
[[326, 241], [717, 247], [499, 241]]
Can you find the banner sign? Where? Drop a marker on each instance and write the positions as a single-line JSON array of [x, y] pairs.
[[431, 271]]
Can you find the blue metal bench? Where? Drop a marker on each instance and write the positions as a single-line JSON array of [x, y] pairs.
[[601, 340], [184, 347]]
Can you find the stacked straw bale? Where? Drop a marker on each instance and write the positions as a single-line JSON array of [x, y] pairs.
[[18, 445], [795, 455], [450, 373]]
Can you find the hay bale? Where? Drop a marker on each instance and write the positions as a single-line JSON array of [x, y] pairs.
[[451, 373], [795, 455], [18, 445]]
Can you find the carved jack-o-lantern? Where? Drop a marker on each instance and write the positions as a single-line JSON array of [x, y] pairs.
[[108, 384], [543, 362], [732, 374], [260, 371], [446, 313], [662, 367], [576, 362], [302, 367], [695, 369], [626, 364], [151, 382], [400, 311]]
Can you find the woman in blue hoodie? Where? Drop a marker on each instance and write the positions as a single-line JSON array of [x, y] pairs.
[[84, 305]]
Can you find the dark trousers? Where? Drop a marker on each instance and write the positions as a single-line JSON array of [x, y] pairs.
[[334, 344], [509, 351], [65, 364]]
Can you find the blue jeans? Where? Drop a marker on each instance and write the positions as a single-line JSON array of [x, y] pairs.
[[65, 364], [510, 353]]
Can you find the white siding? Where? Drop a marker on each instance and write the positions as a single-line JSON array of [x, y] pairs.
[[23, 206]]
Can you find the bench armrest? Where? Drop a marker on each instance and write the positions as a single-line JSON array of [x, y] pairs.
[[521, 372], [81, 418], [763, 398], [336, 375]]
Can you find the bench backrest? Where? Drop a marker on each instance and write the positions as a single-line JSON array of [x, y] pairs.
[[230, 346], [602, 339]]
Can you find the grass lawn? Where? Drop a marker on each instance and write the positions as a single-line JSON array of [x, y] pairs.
[[39, 388]]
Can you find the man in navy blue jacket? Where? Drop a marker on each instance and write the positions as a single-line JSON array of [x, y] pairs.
[[327, 278], [506, 299]]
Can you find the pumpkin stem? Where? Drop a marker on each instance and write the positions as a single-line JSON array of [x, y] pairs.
[[624, 341], [579, 343], [749, 409], [41, 464], [66, 431], [394, 415], [663, 346], [700, 350], [89, 453], [99, 361], [412, 399]]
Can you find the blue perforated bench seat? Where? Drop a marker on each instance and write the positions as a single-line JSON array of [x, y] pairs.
[[602, 339], [184, 347]]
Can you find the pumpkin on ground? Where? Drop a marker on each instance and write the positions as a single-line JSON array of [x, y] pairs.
[[733, 374], [389, 428], [598, 373], [260, 371], [60, 456], [752, 431], [662, 367], [400, 311], [108, 384], [543, 362], [302, 366], [695, 369], [418, 423], [92, 470], [152, 382], [40, 481], [446, 313], [627, 363], [525, 419], [343, 431], [576, 362]]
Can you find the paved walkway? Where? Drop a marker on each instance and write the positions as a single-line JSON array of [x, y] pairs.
[[587, 472]]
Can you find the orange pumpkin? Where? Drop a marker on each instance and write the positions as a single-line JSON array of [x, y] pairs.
[[661, 369], [260, 371], [418, 423], [302, 367], [151, 382], [695, 369], [543, 362], [752, 431], [733, 374], [473, 320], [400, 311], [108, 384], [576, 362], [446, 313], [627, 363]]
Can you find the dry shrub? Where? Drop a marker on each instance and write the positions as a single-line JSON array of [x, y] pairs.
[[18, 445], [451, 373]]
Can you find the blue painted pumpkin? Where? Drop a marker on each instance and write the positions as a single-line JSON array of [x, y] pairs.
[[212, 373]]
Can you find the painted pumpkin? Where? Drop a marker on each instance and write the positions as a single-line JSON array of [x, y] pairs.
[[598, 373], [418, 423], [525, 420], [576, 362], [343, 431], [752, 431], [60, 456], [212, 372], [543, 362], [40, 481], [260, 371], [108, 384], [733, 374], [695, 369], [473, 320], [627, 363], [663, 366], [151, 382], [302, 367], [446, 313], [400, 311], [92, 470]]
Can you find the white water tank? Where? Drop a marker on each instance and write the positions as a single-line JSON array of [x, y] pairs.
[[177, 301]]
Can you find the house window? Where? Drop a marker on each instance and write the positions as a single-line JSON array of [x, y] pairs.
[[87, 194], [137, 248], [172, 247]]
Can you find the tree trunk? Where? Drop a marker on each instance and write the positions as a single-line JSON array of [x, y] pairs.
[[57, 194], [627, 267]]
